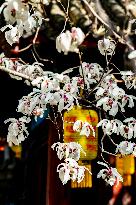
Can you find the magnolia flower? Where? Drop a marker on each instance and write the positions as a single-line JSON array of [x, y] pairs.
[[86, 129], [110, 126], [109, 174], [106, 46], [13, 35], [66, 101], [17, 13], [129, 78], [92, 72], [32, 22], [128, 131], [111, 97], [15, 10], [63, 42], [33, 104], [77, 35], [83, 127], [69, 41], [108, 104], [71, 170], [17, 131], [125, 148], [115, 126], [62, 78], [68, 150], [33, 70], [77, 126], [132, 54]]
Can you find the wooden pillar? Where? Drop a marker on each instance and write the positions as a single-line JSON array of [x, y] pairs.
[[56, 192]]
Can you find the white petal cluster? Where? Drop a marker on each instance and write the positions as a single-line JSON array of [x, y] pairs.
[[68, 150], [126, 129], [17, 130], [33, 71], [70, 170], [126, 148], [12, 35], [110, 126], [129, 78], [106, 46], [54, 89], [69, 41], [37, 101], [92, 72], [19, 20], [111, 97], [109, 174], [83, 127], [132, 54], [33, 104]]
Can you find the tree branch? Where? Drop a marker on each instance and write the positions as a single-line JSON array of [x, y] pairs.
[[15, 73]]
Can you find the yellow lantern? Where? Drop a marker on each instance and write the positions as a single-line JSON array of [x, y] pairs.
[[86, 182], [17, 150], [127, 180], [125, 164], [89, 144]]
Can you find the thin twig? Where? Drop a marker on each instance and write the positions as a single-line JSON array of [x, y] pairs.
[[34, 48], [104, 151], [25, 48], [67, 16], [80, 59], [112, 141]]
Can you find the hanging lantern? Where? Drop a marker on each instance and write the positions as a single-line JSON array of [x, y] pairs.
[[86, 182], [90, 143], [17, 150], [127, 180], [125, 164]]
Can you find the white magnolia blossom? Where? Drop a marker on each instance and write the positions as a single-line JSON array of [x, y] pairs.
[[111, 97], [68, 150], [33, 104], [125, 148], [106, 46], [109, 174], [15, 10], [129, 78], [58, 90], [16, 13], [71, 170], [12, 35], [69, 41], [126, 129], [92, 72], [132, 54], [17, 130], [33, 71], [110, 126], [83, 127]]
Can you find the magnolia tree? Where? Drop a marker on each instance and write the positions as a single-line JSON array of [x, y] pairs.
[[62, 92]]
